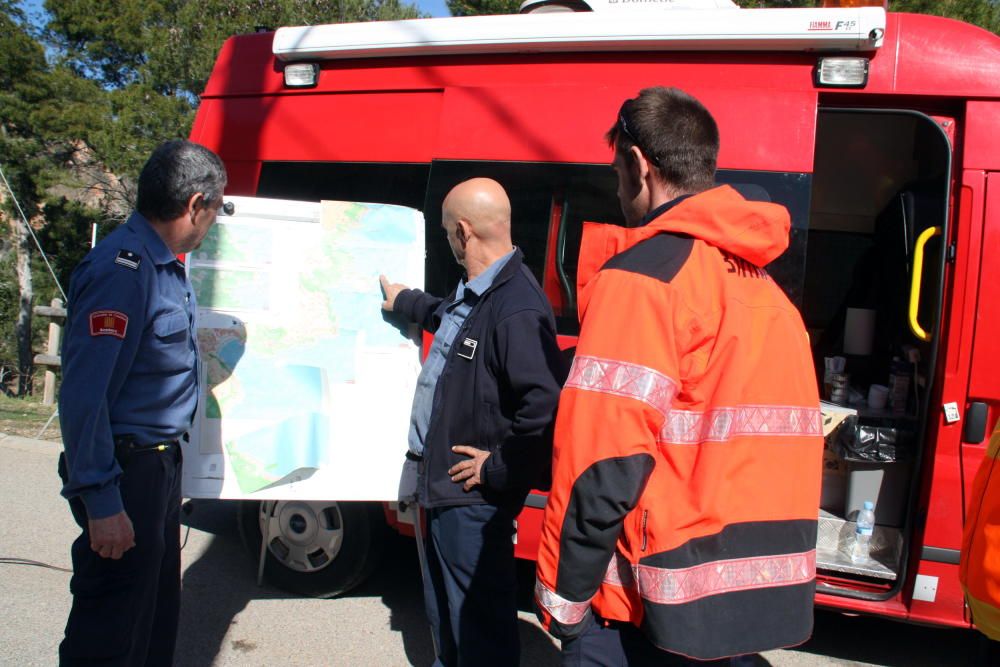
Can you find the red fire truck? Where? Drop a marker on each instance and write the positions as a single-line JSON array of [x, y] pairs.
[[880, 133]]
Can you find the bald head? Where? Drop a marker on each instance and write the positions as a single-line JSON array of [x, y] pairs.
[[483, 203], [476, 217]]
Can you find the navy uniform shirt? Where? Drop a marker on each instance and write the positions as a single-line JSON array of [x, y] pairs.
[[129, 358]]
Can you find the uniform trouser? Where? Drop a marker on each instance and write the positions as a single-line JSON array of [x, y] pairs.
[[470, 586], [125, 612], [623, 645]]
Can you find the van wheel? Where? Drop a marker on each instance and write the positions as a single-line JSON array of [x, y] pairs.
[[316, 549]]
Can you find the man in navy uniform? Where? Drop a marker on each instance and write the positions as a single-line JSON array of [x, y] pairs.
[[129, 393], [480, 425]]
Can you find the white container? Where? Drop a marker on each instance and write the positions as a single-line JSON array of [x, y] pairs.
[[864, 527], [878, 396]]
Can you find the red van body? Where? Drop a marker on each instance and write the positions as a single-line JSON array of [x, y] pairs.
[[401, 127]]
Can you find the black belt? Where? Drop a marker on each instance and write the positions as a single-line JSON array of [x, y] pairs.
[[410, 456], [126, 448]]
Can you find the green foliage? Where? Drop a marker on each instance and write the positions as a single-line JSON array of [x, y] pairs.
[[750, 4], [66, 238], [984, 13], [478, 7], [153, 58], [23, 86], [92, 94]]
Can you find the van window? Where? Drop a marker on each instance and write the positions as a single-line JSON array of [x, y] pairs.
[[791, 190], [537, 191], [549, 204], [380, 183]]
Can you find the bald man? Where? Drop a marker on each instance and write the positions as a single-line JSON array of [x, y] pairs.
[[480, 429]]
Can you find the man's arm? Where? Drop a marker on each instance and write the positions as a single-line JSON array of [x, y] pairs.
[[413, 304], [106, 319], [619, 390]]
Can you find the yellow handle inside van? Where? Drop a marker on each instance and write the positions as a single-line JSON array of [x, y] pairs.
[[918, 270]]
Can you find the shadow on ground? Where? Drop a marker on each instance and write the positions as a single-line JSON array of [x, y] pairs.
[[890, 643], [397, 582], [208, 609]]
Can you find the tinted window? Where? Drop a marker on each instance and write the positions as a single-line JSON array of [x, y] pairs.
[[403, 184], [538, 191], [791, 190]]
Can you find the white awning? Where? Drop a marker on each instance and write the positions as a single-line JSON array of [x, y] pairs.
[[856, 29]]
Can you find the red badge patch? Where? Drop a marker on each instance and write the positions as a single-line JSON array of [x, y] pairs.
[[108, 323]]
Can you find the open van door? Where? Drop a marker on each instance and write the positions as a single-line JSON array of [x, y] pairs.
[[874, 297]]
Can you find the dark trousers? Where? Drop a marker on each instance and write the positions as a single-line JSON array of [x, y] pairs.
[[125, 612], [470, 586], [623, 645]]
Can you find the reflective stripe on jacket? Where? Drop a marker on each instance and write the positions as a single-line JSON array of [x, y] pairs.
[[687, 457], [979, 569]]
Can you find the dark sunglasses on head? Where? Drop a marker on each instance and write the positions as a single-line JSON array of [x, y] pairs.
[[623, 125]]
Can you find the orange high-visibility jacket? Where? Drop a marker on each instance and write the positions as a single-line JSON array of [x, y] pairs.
[[979, 569], [688, 447]]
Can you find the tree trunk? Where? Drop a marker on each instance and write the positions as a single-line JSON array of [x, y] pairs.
[[22, 247]]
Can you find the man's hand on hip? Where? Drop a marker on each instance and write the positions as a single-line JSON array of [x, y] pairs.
[[390, 291], [468, 471], [112, 536]]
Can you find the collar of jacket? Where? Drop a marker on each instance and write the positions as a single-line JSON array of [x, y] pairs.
[[755, 231], [661, 209], [508, 271], [155, 245]]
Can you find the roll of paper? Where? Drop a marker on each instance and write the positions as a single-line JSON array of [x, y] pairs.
[[859, 331]]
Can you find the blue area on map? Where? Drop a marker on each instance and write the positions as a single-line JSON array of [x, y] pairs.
[[231, 352], [293, 443], [276, 390], [357, 311], [335, 356], [388, 225]]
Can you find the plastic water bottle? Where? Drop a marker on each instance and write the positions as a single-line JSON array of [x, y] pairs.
[[863, 533]]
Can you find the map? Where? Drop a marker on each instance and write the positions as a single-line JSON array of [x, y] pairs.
[[306, 384]]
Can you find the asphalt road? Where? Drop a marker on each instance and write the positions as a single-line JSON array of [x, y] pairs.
[[226, 620]]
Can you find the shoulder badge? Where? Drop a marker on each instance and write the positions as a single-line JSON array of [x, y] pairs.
[[108, 323], [128, 259]]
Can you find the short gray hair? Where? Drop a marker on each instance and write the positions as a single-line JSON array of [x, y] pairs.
[[174, 172]]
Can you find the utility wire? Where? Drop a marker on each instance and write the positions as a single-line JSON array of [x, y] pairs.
[[32, 232], [35, 563]]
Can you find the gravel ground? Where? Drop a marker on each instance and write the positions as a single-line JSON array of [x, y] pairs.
[[228, 621]]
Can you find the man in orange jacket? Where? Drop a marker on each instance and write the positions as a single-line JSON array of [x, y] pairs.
[[687, 457], [979, 570]]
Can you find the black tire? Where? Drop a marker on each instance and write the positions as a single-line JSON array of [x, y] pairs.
[[327, 572]]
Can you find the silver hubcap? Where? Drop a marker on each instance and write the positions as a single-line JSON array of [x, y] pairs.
[[302, 536]]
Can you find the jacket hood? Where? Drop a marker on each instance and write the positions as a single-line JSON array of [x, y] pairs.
[[755, 231]]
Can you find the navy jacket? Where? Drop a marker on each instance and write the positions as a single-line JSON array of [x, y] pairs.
[[503, 399], [129, 358]]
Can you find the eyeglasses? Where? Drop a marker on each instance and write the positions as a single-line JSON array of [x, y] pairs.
[[623, 116]]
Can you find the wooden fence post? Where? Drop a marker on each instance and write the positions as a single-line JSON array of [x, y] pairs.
[[55, 336], [57, 312]]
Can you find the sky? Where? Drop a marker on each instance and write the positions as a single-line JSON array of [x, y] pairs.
[[432, 7]]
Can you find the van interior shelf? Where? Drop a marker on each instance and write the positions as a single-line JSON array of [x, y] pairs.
[[835, 541]]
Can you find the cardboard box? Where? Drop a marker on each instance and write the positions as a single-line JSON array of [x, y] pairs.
[[834, 494]]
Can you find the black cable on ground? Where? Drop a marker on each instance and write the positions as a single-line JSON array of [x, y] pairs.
[[34, 563]]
